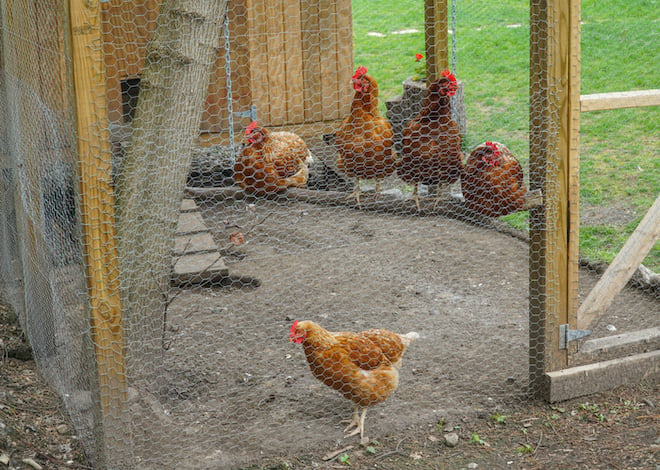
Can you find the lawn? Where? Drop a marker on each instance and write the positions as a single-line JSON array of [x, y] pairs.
[[620, 149]]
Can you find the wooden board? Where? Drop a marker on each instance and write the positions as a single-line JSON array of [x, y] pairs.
[[625, 99], [292, 54], [622, 268], [554, 124], [328, 37], [276, 63], [586, 380], [124, 44], [99, 241], [290, 59], [311, 64]]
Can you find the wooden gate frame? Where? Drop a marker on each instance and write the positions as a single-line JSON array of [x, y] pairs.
[[555, 106]]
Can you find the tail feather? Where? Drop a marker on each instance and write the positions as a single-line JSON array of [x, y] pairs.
[[409, 337]]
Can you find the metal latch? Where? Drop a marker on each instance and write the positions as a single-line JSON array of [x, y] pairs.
[[250, 113], [566, 335]]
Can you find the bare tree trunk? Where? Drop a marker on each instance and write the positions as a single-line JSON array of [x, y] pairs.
[[153, 172]]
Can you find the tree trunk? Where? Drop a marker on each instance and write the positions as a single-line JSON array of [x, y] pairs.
[[153, 172]]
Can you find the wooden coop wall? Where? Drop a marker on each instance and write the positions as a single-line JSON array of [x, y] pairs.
[[291, 59]]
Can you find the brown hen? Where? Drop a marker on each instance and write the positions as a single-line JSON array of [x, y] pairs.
[[365, 139], [492, 181], [431, 142], [364, 367], [271, 161]]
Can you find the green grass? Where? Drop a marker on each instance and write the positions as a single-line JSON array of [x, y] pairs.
[[620, 149]]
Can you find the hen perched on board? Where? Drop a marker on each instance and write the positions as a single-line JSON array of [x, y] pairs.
[[492, 181], [271, 161], [364, 140], [431, 142], [364, 367]]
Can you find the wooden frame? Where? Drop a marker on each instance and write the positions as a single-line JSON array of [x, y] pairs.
[[555, 106], [98, 224], [554, 169]]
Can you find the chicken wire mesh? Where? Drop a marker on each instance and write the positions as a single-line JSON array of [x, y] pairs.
[[216, 261]]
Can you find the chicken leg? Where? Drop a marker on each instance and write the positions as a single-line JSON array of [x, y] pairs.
[[356, 193], [357, 421], [415, 196]]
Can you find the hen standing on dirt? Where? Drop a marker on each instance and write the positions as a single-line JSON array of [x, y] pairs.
[[365, 139], [431, 145], [364, 367]]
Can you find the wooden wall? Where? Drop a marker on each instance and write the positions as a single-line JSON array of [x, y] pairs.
[[291, 59]]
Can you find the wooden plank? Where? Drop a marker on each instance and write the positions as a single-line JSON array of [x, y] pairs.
[[311, 62], [240, 58], [215, 117], [292, 60], [573, 140], [31, 137], [616, 346], [99, 244], [329, 71], [344, 45], [436, 37], [393, 204], [276, 59], [554, 80], [622, 268], [585, 380], [257, 43], [216, 108], [617, 100], [124, 44]]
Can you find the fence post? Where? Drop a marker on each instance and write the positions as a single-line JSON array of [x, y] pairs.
[[99, 245], [554, 169], [436, 32]]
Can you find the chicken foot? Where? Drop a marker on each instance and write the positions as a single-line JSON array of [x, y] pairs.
[[415, 196], [357, 421], [356, 193]]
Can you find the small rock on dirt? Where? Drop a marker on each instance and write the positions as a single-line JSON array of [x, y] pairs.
[[451, 439]]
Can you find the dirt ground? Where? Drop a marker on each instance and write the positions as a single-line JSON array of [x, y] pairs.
[[240, 396]]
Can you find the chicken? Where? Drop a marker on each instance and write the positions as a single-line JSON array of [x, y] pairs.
[[431, 142], [365, 139], [364, 367], [271, 161], [492, 181]]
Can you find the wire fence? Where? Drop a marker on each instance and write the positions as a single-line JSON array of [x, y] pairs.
[[158, 246]]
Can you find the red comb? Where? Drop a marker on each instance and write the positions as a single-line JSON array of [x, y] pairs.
[[250, 127], [359, 72], [293, 328], [493, 147], [449, 75]]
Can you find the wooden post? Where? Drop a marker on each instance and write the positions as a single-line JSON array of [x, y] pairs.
[[554, 128], [97, 214], [622, 268], [437, 38]]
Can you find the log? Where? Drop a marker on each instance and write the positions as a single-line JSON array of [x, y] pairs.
[[393, 203]]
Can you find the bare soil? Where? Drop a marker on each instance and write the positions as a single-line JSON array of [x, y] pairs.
[[237, 385]]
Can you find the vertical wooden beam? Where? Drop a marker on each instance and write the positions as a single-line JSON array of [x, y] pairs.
[[436, 32], [573, 122], [554, 127], [99, 245]]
